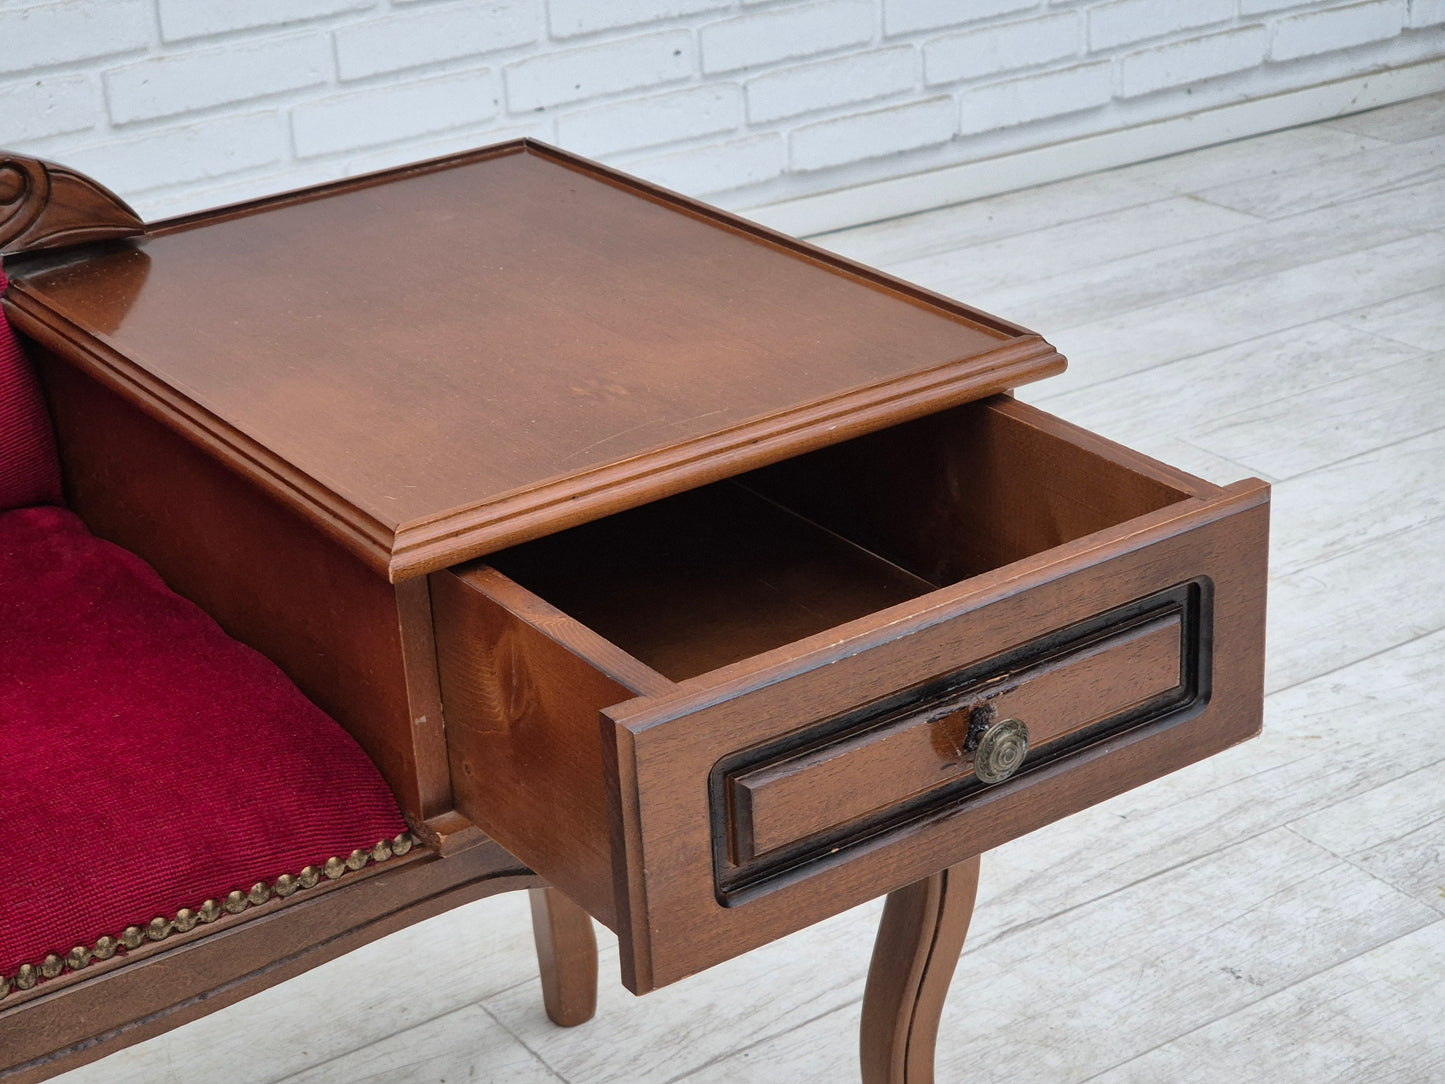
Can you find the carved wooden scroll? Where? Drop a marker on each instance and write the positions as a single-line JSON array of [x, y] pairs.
[[43, 205]]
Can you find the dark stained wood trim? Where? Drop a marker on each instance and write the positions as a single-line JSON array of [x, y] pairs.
[[44, 205]]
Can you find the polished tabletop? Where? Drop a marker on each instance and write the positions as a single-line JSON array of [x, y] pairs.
[[458, 356]]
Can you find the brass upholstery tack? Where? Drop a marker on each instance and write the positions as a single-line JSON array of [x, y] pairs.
[[186, 919]]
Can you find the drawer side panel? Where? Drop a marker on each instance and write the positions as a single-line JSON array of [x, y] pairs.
[[526, 755]]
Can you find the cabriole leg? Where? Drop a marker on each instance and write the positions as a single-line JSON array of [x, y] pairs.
[[919, 939]]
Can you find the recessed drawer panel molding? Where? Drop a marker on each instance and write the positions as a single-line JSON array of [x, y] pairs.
[[811, 795]]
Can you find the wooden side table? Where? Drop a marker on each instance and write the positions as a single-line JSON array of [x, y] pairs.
[[713, 576]]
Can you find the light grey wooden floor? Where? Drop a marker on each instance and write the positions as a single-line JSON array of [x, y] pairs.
[[1273, 307]]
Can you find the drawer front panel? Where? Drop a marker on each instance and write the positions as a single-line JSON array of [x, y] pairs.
[[874, 770], [1135, 651]]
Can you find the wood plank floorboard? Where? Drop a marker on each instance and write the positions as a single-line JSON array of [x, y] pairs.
[[1384, 593], [1347, 418], [1416, 319], [467, 1044], [1072, 249], [393, 985], [1275, 914], [1176, 271], [1186, 397], [1369, 172], [684, 1026], [1373, 1018], [1218, 316], [1358, 501], [1315, 146], [966, 224], [1404, 122]]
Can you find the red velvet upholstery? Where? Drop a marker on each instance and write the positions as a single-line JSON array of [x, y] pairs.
[[28, 470], [147, 761]]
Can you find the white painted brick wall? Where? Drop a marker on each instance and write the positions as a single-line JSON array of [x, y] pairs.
[[181, 19], [443, 32], [1265, 7], [1336, 28], [163, 86], [385, 113], [717, 166], [784, 33], [908, 16], [182, 104], [196, 152], [1192, 60], [871, 135], [576, 75], [569, 17], [47, 107], [647, 122], [1127, 21], [1049, 94], [858, 77], [989, 50], [40, 35], [1427, 12]]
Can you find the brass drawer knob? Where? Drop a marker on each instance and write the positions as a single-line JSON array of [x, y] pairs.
[[1000, 750]]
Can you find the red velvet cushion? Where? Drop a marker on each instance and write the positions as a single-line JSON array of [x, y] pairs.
[[148, 762], [29, 473]]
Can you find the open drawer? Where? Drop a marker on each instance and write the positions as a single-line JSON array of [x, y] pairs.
[[832, 676]]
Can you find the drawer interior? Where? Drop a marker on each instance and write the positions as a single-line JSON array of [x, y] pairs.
[[707, 578], [725, 572]]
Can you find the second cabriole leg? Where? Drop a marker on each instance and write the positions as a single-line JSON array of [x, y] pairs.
[[919, 939]]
